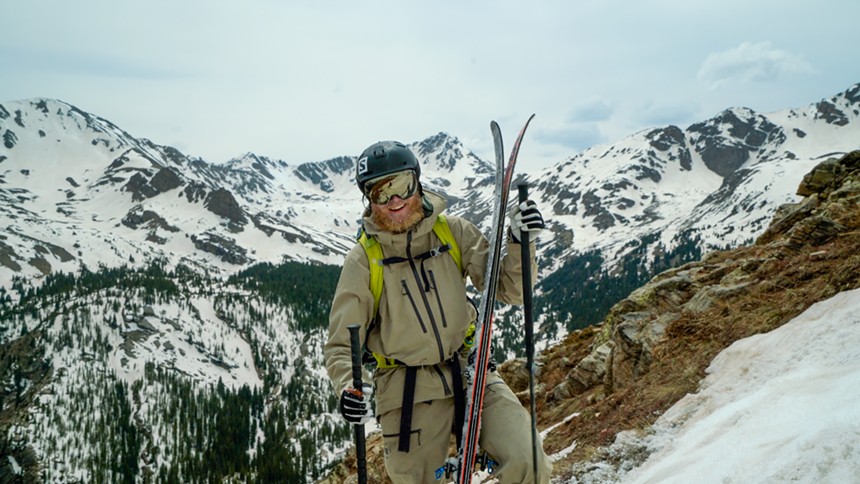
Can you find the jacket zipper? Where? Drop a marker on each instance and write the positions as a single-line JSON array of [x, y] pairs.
[[414, 306], [424, 296], [438, 299]]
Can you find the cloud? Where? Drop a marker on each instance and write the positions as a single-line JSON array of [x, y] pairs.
[[98, 64], [662, 114], [590, 111], [751, 62], [577, 136]]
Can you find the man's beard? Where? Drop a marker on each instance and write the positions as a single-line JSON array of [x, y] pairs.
[[415, 215]]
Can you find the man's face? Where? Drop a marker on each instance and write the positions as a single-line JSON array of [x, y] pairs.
[[395, 202]]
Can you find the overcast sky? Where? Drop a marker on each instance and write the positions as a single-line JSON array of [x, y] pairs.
[[307, 81]]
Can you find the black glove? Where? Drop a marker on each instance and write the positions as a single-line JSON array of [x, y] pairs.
[[525, 217], [355, 405]]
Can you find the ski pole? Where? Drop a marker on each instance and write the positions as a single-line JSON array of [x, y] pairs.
[[523, 188], [360, 445]]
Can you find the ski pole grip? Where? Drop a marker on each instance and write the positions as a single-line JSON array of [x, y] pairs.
[[523, 192], [360, 444], [355, 345]]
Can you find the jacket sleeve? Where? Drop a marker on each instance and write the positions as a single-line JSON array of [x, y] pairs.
[[475, 248], [511, 273], [352, 304]]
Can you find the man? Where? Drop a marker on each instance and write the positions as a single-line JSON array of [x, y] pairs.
[[417, 328]]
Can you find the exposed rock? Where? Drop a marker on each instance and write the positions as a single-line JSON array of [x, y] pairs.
[[166, 179], [592, 369], [9, 139], [704, 299], [319, 173], [222, 203], [226, 249], [830, 113], [820, 178], [142, 188], [137, 216], [40, 263], [724, 155], [194, 192], [814, 231], [790, 215], [515, 374]]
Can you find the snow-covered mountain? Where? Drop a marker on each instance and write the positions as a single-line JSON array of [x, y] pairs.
[[78, 191], [718, 181]]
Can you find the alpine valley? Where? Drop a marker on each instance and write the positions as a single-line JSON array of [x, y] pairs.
[[162, 316]]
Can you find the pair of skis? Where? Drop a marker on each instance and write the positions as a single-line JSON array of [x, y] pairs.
[[476, 372]]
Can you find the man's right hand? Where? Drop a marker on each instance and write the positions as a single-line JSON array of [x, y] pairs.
[[355, 405]]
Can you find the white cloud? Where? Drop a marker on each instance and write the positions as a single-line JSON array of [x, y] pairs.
[[751, 62], [576, 137], [591, 111]]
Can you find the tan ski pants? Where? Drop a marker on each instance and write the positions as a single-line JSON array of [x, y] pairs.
[[505, 435]]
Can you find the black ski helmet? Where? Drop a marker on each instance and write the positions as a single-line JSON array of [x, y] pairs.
[[383, 158]]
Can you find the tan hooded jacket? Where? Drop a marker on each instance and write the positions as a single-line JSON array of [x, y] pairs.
[[424, 311]]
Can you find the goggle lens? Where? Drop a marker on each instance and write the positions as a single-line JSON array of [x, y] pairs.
[[383, 189]]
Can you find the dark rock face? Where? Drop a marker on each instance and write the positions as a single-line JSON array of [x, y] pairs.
[[319, 173], [222, 203], [723, 155], [166, 179], [138, 217], [672, 137], [226, 249], [830, 113]]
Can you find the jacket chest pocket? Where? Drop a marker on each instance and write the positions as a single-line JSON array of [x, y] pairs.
[[405, 291]]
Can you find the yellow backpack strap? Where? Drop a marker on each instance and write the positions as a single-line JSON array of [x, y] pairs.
[[443, 233], [383, 362], [374, 261]]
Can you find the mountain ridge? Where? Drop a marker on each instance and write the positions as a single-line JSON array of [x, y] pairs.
[[724, 144]]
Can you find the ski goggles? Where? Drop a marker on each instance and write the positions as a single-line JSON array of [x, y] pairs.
[[382, 189]]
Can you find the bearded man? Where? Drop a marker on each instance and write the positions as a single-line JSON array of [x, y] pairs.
[[418, 328]]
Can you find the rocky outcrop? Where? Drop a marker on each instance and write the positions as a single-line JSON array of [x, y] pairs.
[[142, 188], [226, 249], [222, 203], [748, 132], [137, 217]]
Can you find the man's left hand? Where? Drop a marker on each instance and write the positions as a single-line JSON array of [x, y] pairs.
[[525, 217]]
